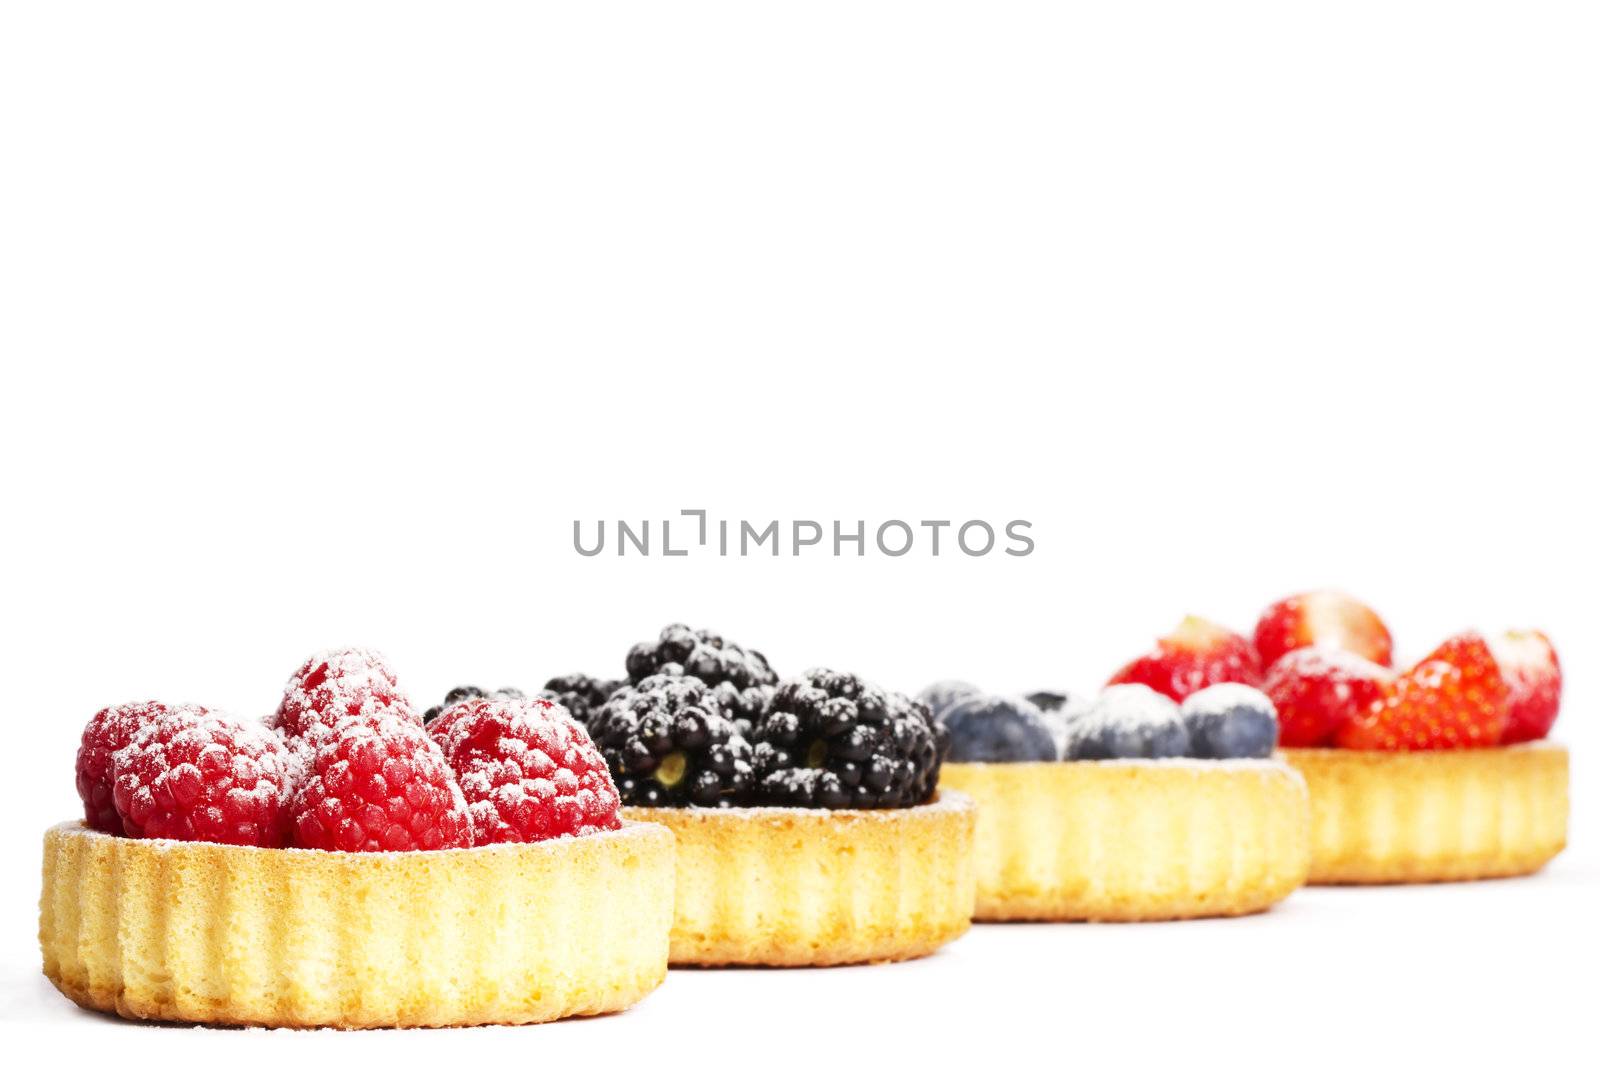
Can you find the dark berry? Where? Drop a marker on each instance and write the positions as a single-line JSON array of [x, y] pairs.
[[996, 729], [701, 654], [463, 693], [580, 694], [1128, 722], [669, 742], [1230, 721], [831, 740], [940, 697], [1059, 709]]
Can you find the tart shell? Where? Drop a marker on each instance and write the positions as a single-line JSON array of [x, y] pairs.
[[1125, 840], [230, 934], [1434, 816], [798, 887]]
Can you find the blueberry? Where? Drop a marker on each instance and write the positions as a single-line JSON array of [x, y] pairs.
[[1059, 708], [1231, 721], [1128, 722], [992, 729], [942, 696]]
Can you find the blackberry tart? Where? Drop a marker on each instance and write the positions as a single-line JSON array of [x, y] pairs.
[[810, 830], [1128, 807]]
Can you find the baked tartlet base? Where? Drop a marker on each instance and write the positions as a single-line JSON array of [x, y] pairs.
[[1434, 816], [797, 887], [1124, 840], [230, 934]]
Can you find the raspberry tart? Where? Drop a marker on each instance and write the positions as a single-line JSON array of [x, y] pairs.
[[1128, 807], [808, 828], [1441, 772], [345, 867]]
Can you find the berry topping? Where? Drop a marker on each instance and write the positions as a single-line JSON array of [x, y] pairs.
[[1230, 721], [1324, 618], [528, 771], [1059, 708], [1129, 721], [1455, 698], [379, 784], [670, 741], [1195, 655], [191, 775], [831, 740], [463, 693], [1532, 672], [1318, 690], [580, 694], [998, 729], [337, 685], [940, 697], [109, 730], [703, 655]]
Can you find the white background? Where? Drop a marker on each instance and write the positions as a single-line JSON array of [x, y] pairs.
[[322, 323]]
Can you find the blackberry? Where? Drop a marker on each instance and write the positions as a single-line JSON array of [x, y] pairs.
[[703, 655], [669, 742], [831, 740], [579, 694], [463, 693], [745, 706]]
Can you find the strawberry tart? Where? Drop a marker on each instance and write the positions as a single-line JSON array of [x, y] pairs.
[[1438, 772]]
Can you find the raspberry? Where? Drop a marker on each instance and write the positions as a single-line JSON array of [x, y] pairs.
[[338, 685], [528, 770], [379, 785], [109, 730], [191, 775]]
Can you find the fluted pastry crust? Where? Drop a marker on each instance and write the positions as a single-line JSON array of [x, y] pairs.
[[1120, 840], [796, 887], [1434, 816], [292, 937]]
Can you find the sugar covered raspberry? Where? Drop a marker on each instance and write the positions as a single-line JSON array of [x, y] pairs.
[[109, 730], [191, 775], [528, 770], [336, 685], [379, 785]]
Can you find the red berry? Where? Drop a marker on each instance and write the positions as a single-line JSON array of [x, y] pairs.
[[379, 785], [109, 730], [1318, 690], [1324, 618], [1456, 698], [191, 775], [335, 686], [1196, 655], [528, 770], [1532, 672]]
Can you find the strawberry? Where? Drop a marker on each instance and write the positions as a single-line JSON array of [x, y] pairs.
[[1195, 655], [1533, 674], [1324, 618], [1455, 698], [1318, 690]]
